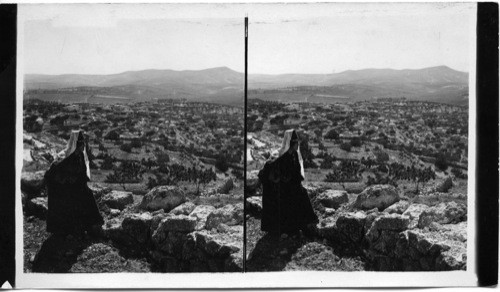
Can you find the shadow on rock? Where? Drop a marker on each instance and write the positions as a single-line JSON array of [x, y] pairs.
[[58, 254], [272, 253]]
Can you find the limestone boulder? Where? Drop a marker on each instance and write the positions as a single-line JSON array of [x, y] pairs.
[[414, 211], [157, 218], [352, 225], [333, 198], [219, 244], [137, 226], [394, 222], [163, 197], [98, 191], [434, 250], [183, 209], [31, 183], [253, 182], [27, 157], [226, 186], [443, 213], [172, 232], [234, 262], [313, 189], [112, 229], [445, 185], [114, 212], [377, 196], [223, 228], [387, 222], [201, 214], [118, 199], [398, 208], [229, 215], [329, 211], [174, 243], [179, 223]]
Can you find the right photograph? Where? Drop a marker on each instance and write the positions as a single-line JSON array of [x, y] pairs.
[[357, 123]]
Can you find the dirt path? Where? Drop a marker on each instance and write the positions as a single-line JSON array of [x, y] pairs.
[[272, 253]]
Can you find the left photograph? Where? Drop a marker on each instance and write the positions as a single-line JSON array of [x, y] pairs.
[[132, 139]]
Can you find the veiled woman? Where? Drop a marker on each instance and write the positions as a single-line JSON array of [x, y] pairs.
[[72, 208], [286, 206]]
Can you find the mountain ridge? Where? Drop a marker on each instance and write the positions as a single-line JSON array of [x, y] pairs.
[[428, 83]]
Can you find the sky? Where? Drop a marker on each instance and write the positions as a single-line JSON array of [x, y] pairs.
[[358, 36], [292, 38], [95, 39]]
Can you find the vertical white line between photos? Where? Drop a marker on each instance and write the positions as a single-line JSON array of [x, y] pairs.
[[19, 252], [471, 167]]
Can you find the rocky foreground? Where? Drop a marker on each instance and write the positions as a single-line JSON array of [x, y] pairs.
[[378, 229], [163, 231]]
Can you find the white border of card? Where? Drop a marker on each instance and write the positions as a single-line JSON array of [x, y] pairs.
[[255, 279]]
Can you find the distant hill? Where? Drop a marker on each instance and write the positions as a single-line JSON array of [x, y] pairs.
[[223, 85], [216, 84], [439, 84]]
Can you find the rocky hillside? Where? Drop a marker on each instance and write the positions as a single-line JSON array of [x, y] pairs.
[[165, 230], [377, 229]]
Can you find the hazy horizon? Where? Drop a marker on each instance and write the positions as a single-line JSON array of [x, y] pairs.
[[242, 72], [103, 39]]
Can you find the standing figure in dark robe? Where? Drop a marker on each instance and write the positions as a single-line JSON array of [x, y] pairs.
[[72, 208], [286, 207]]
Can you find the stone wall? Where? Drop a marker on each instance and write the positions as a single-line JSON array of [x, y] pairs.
[[173, 233], [395, 235], [180, 243]]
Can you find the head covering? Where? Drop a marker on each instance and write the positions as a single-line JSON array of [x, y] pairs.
[[73, 139], [286, 145]]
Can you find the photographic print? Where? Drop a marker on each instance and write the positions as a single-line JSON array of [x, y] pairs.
[[358, 132], [132, 139], [246, 145]]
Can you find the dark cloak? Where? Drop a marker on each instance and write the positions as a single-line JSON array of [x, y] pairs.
[[286, 207], [71, 204]]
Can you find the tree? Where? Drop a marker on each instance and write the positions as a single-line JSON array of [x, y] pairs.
[[102, 148], [32, 124], [419, 176], [221, 164], [327, 162], [345, 146], [332, 134], [128, 172], [112, 135], [211, 124], [356, 142], [238, 174], [136, 143], [441, 162], [381, 156], [126, 148], [458, 173], [107, 162]]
